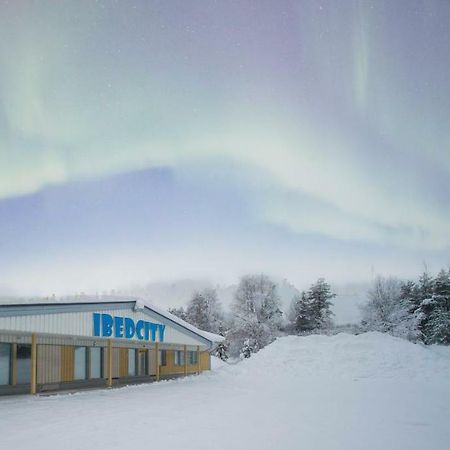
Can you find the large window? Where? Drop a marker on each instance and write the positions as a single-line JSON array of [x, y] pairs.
[[95, 362], [131, 362], [23, 363], [5, 363], [179, 357], [80, 363], [192, 358], [162, 357]]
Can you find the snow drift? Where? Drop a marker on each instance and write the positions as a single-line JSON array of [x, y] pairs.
[[370, 391]]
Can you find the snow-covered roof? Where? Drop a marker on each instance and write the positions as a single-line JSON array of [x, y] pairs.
[[138, 304], [207, 335]]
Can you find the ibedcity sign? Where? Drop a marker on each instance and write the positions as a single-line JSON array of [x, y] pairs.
[[106, 325]]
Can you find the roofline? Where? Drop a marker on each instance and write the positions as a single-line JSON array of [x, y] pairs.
[[211, 343], [62, 305], [15, 305]]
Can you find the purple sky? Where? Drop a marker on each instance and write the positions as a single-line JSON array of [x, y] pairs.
[[144, 141]]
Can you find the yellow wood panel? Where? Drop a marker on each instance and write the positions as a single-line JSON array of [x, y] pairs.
[[157, 362], [205, 361], [199, 369], [110, 363], [48, 363], [67, 362], [171, 368], [33, 380]]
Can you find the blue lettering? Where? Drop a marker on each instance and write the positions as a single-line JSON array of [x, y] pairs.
[[96, 324], [107, 324], [124, 327], [147, 330], [161, 332], [153, 328], [118, 326], [129, 328], [139, 327]]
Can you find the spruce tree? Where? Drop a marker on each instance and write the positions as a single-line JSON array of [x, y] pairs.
[[436, 311], [311, 310]]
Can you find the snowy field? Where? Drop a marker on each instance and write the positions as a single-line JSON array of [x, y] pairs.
[[343, 392]]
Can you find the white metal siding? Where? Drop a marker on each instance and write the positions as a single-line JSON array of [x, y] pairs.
[[81, 324]]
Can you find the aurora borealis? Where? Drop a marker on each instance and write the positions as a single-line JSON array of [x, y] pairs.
[[160, 139]]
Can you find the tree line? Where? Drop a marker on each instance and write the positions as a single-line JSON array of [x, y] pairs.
[[256, 318], [415, 310]]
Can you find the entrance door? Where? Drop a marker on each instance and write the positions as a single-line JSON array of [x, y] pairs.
[[142, 362]]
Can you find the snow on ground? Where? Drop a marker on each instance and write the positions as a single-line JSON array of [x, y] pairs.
[[346, 392]]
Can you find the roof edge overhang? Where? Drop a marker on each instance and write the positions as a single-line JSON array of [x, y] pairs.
[[9, 310]]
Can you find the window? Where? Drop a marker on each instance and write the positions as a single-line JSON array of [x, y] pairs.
[[95, 362], [80, 363], [142, 362], [179, 357], [5, 363], [131, 362], [162, 358], [23, 363], [192, 358]]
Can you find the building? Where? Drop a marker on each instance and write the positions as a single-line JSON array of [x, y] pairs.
[[68, 346]]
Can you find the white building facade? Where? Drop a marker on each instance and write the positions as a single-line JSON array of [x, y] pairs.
[[70, 346]]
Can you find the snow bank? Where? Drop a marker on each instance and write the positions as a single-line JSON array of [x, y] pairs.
[[342, 392]]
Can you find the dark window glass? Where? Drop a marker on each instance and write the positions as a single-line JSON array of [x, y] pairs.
[[162, 358], [142, 362], [23, 363]]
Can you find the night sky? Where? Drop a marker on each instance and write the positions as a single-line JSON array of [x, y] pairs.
[[158, 140]]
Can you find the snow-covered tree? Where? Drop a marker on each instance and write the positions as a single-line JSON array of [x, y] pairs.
[[205, 311], [256, 315], [247, 349], [221, 351], [435, 311], [300, 314], [310, 311], [179, 312], [388, 310]]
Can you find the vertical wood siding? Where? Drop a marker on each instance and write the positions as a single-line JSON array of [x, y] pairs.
[[205, 361], [67, 362], [116, 362], [48, 364]]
